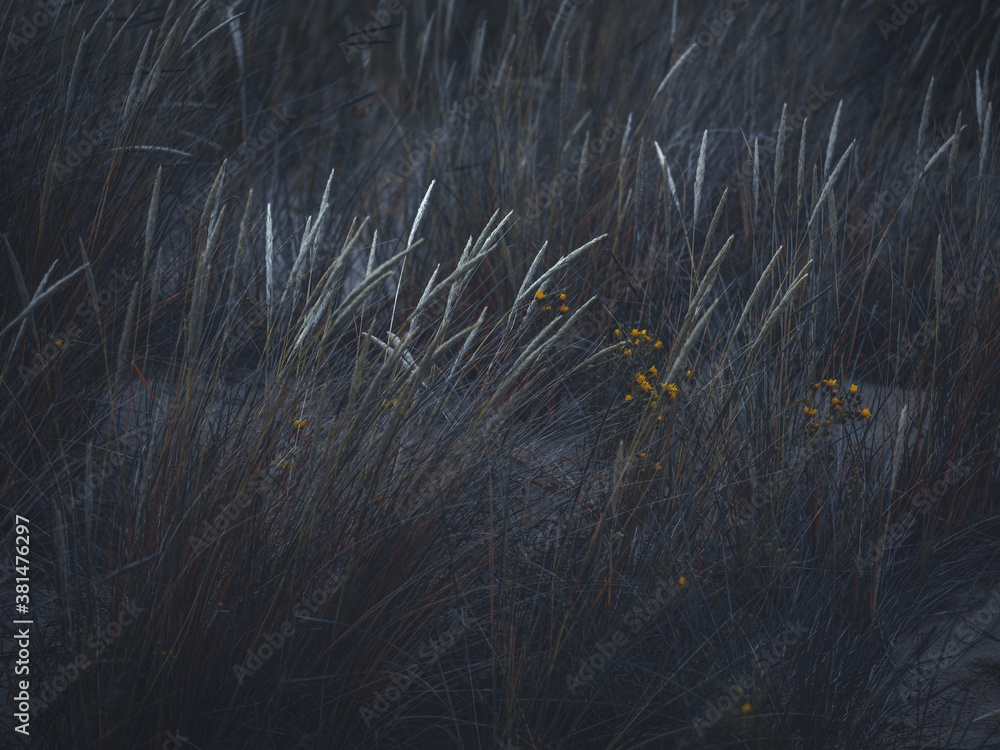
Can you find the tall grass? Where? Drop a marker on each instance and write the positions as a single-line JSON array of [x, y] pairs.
[[471, 375]]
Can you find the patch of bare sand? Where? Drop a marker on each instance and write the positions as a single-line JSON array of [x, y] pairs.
[[950, 685]]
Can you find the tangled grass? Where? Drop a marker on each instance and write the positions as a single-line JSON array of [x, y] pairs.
[[585, 436]]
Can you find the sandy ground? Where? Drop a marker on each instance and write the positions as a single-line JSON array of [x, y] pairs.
[[951, 675]]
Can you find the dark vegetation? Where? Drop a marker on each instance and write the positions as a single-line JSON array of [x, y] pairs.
[[322, 446]]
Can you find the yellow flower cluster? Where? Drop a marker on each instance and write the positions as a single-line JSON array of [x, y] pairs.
[[644, 383], [642, 379], [540, 296], [841, 408], [636, 338]]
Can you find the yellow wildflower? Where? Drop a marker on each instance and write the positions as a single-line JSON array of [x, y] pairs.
[[298, 424], [652, 369], [635, 333], [746, 708], [562, 297], [836, 401], [831, 383], [618, 332], [658, 345], [809, 411], [642, 455], [853, 389], [563, 309], [657, 464], [682, 581], [547, 308], [539, 294], [687, 374], [866, 413], [673, 390], [628, 397]]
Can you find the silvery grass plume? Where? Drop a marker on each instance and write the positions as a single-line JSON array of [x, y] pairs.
[[801, 172], [409, 245], [832, 142], [667, 176], [529, 284], [828, 186], [756, 173], [326, 288], [41, 294], [674, 68], [758, 289], [779, 149], [699, 178], [925, 117], [987, 135], [695, 303], [772, 317], [208, 235]]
